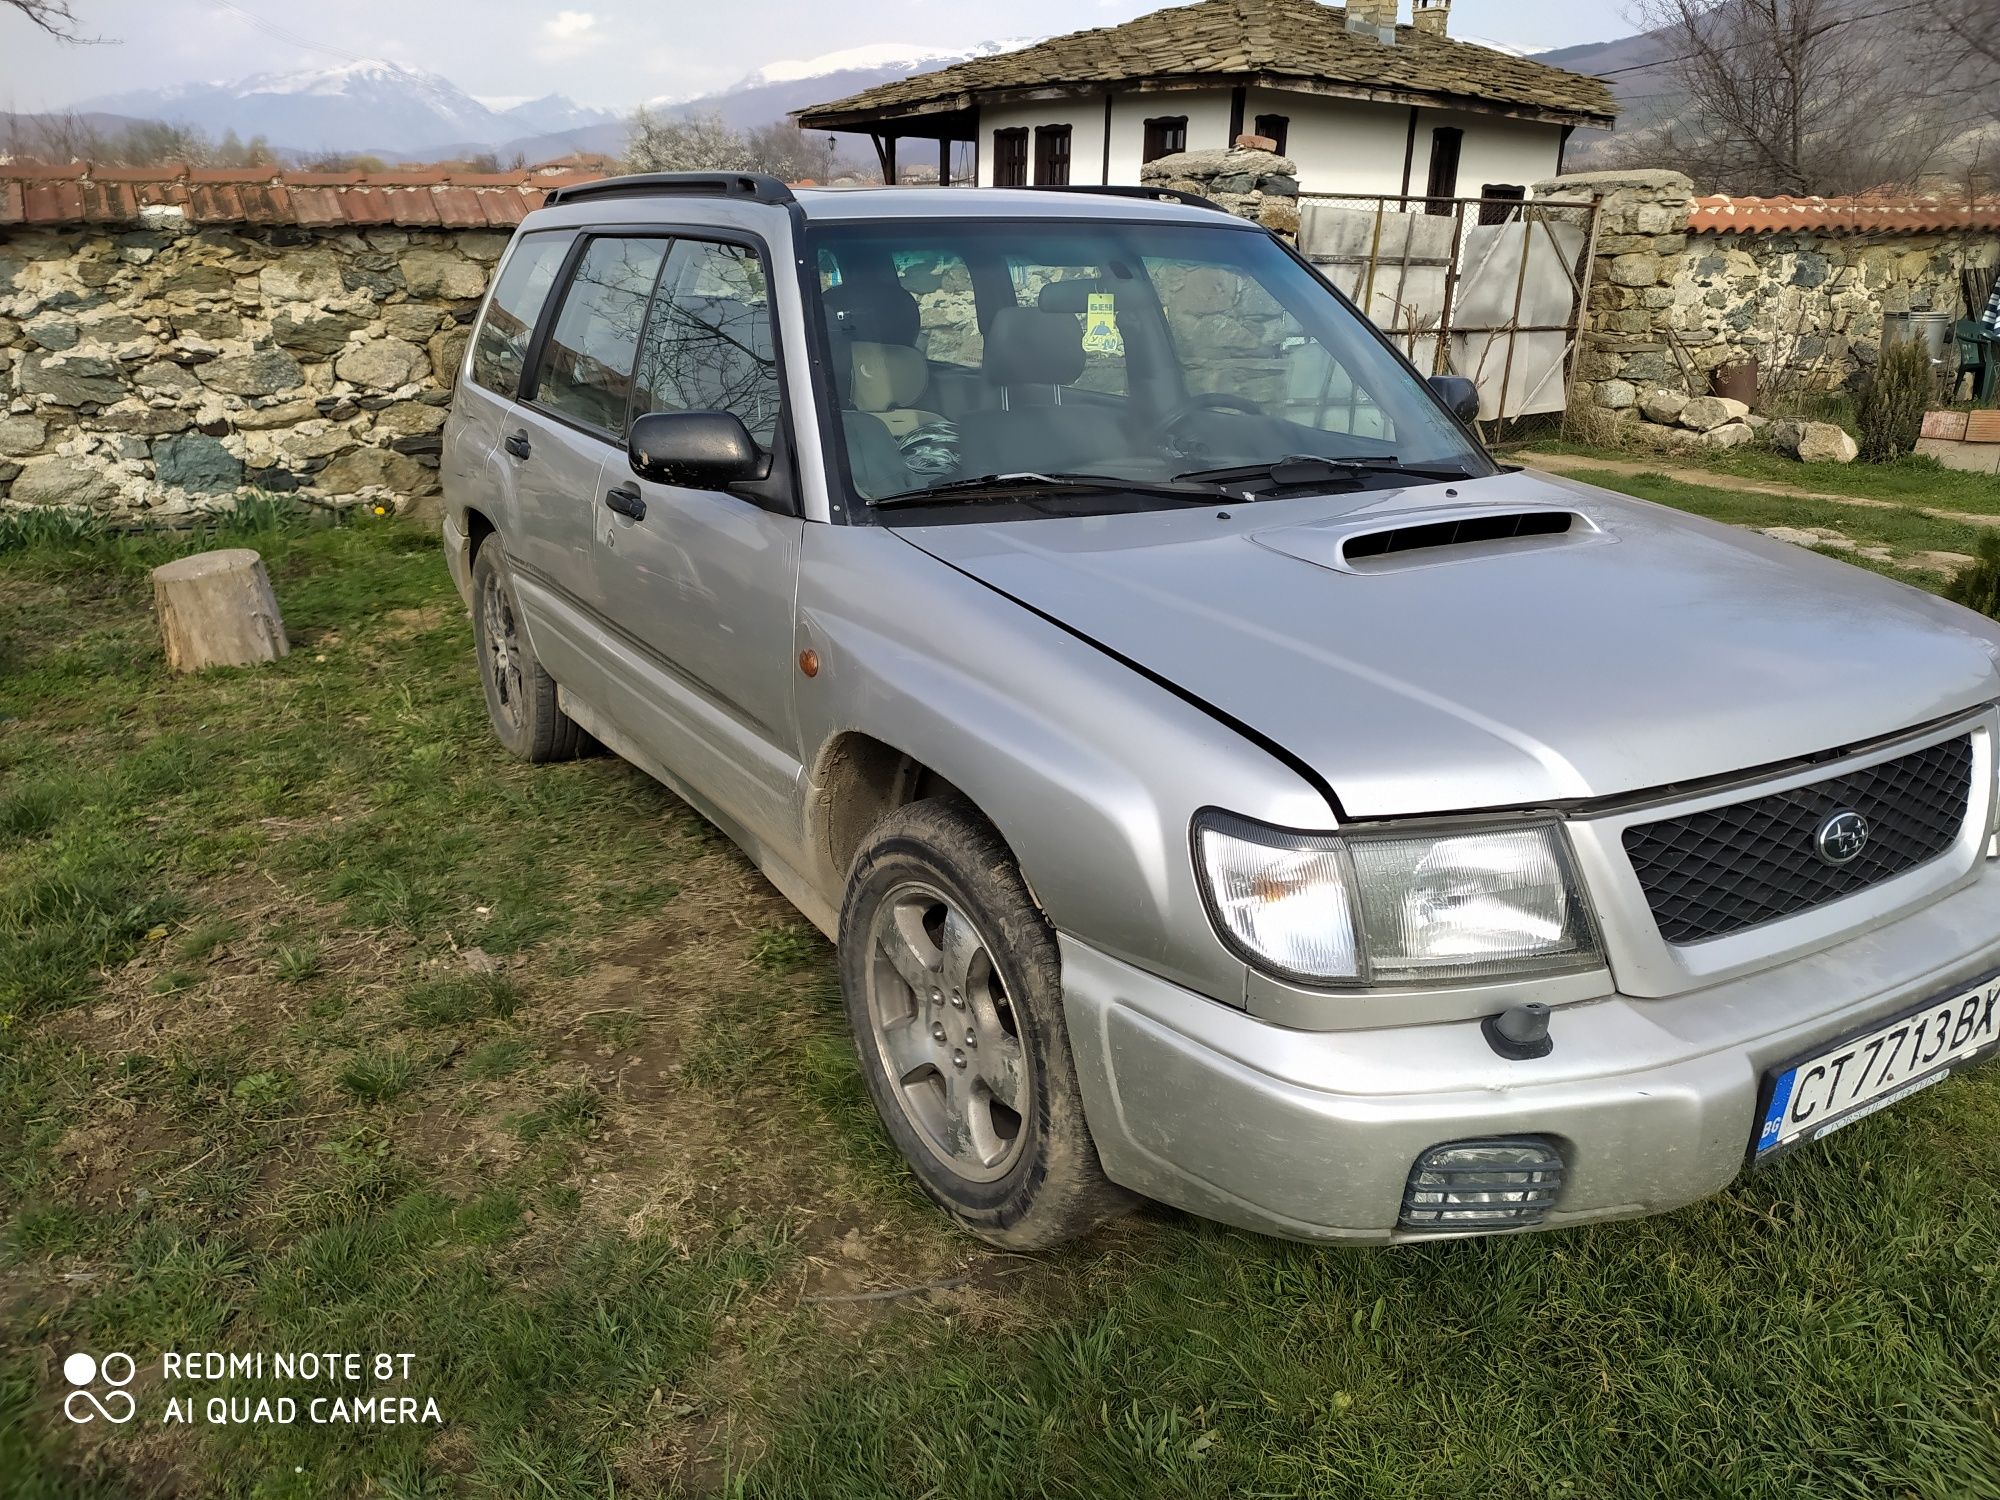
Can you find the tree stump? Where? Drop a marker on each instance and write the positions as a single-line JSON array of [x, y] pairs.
[[216, 609]]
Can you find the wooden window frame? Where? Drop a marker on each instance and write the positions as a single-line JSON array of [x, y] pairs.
[[1010, 157], [1275, 128], [1447, 149], [1497, 200], [1052, 154], [1157, 142]]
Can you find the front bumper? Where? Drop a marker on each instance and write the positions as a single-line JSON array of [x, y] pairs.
[[1311, 1135]]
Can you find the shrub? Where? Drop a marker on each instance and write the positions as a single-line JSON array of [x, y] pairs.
[[1977, 584], [1890, 415]]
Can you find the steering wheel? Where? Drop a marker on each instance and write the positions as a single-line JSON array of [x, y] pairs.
[[1167, 431]]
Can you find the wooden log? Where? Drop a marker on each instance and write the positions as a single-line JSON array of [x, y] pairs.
[[216, 609]]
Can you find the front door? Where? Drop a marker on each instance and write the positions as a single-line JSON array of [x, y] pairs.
[[703, 585]]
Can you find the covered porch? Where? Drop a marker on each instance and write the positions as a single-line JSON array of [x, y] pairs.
[[913, 137]]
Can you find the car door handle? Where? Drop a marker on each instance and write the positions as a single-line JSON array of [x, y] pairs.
[[627, 501], [518, 445]]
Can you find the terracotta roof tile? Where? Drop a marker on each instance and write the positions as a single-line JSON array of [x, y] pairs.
[[1277, 40], [84, 194], [1863, 215]]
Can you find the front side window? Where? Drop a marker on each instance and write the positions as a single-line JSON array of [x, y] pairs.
[[1052, 155], [708, 344], [500, 348], [586, 370], [1140, 351]]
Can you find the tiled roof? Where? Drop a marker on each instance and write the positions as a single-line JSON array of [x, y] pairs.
[[80, 193], [1721, 215], [1277, 40]]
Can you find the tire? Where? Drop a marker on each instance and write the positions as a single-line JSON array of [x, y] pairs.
[[943, 952], [520, 696]]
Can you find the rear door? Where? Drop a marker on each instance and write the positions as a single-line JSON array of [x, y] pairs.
[[483, 402], [570, 425], [702, 586]]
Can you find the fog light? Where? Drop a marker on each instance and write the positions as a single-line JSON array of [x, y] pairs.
[[1501, 1184]]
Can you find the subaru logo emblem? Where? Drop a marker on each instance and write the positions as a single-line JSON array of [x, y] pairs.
[[1841, 838]]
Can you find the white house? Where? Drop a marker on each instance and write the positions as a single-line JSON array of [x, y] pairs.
[[1359, 102]]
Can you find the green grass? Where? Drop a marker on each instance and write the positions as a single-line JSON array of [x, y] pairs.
[[1914, 480], [324, 1026]]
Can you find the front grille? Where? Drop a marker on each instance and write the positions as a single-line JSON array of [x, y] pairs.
[[1735, 867]]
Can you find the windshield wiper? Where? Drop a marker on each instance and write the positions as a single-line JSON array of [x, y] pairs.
[[1015, 486], [1303, 470]]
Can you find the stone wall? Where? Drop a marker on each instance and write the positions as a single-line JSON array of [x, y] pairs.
[[156, 373], [1668, 308], [1252, 184]]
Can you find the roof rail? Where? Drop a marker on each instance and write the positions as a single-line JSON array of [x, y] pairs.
[[1129, 190], [757, 186]]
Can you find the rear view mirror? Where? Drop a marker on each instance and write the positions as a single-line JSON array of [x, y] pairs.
[[1460, 395], [698, 450]]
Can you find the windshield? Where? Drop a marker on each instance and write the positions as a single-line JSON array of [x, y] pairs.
[[1140, 352]]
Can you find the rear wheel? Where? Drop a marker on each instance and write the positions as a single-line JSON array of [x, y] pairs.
[[520, 696], [953, 986]]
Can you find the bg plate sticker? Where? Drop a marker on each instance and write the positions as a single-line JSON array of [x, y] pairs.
[[1100, 326]]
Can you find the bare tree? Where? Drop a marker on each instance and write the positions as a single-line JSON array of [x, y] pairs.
[[1795, 97], [705, 143], [53, 16]]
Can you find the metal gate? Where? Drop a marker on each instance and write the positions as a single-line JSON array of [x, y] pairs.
[[1490, 288]]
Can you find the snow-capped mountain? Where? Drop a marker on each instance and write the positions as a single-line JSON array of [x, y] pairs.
[[370, 105], [886, 57], [550, 114]]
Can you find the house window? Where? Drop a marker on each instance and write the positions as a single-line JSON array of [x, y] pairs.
[[1445, 147], [1010, 158], [1274, 128], [1165, 137], [1497, 200], [1051, 155]]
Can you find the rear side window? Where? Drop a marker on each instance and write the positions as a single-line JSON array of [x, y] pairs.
[[586, 372], [501, 347]]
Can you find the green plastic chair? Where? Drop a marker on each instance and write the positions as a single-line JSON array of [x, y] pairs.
[[1979, 357]]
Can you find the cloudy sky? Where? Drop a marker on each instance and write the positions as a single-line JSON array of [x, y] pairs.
[[604, 52]]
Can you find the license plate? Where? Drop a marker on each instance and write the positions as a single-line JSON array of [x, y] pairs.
[[1892, 1060]]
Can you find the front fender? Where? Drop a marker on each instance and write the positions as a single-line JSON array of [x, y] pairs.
[[1090, 771]]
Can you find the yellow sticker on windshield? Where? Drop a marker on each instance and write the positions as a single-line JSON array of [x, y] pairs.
[[1100, 326]]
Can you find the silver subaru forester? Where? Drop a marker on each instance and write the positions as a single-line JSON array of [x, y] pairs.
[[1224, 782]]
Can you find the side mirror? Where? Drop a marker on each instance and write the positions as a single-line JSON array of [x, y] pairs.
[[698, 450], [1460, 395]]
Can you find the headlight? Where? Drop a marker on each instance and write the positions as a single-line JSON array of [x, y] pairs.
[[1402, 908]]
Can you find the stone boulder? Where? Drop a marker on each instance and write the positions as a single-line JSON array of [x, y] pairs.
[[382, 364], [267, 372], [1825, 443], [20, 436], [197, 464], [71, 380], [1663, 406], [1617, 395], [1729, 435], [376, 468], [61, 482], [442, 273], [1706, 413]]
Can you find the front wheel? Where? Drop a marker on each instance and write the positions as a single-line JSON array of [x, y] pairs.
[[953, 986]]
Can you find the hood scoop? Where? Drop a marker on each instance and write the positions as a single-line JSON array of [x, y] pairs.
[[1428, 538]]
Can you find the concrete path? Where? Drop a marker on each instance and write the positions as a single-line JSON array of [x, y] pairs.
[[1569, 463]]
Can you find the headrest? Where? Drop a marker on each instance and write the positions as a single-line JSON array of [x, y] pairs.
[[886, 375], [1027, 346], [878, 311], [1069, 296]]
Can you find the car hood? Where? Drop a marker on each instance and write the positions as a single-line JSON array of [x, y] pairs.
[[1643, 648]]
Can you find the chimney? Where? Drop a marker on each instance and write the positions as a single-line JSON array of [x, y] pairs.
[[1433, 17], [1373, 18]]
